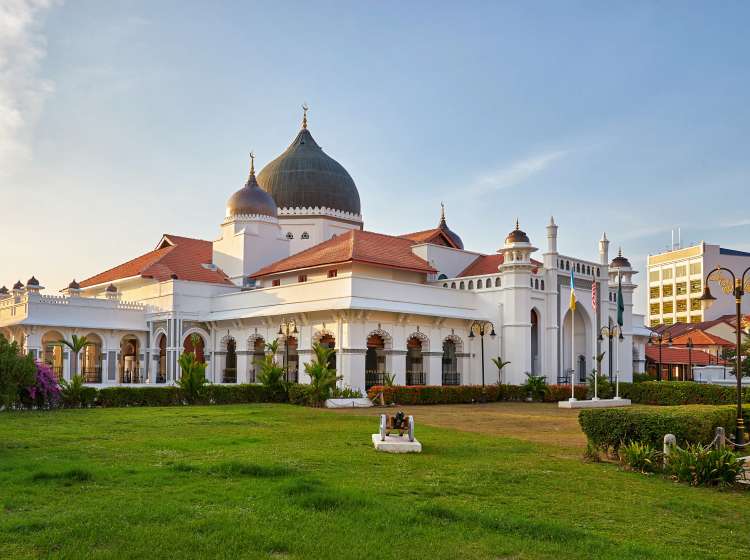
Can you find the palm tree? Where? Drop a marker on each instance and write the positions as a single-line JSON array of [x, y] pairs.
[[500, 364], [322, 378], [271, 374], [76, 344], [193, 377]]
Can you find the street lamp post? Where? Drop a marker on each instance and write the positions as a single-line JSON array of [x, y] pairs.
[[611, 331], [690, 358], [287, 327], [481, 328], [737, 289], [658, 339]]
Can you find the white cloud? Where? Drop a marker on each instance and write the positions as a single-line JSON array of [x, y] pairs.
[[518, 171], [22, 90], [737, 223]]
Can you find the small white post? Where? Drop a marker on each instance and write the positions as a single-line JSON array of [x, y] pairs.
[[669, 441], [721, 438]]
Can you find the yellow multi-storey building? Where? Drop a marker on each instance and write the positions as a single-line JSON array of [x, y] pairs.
[[675, 282]]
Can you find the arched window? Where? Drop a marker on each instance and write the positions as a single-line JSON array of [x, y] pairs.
[[130, 371], [289, 235], [461, 286], [445, 284], [497, 282], [230, 367], [597, 272], [479, 284], [451, 375], [536, 284], [532, 282], [442, 277], [305, 235], [471, 284], [374, 361], [414, 362], [578, 267], [53, 352], [91, 359], [196, 346], [453, 285], [542, 285], [161, 370], [567, 265]]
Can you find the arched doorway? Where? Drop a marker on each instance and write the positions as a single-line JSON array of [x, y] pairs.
[[575, 353], [374, 360], [130, 371], [194, 343], [451, 375], [414, 362], [291, 359], [230, 362], [161, 369], [53, 352], [91, 359], [258, 355], [535, 365], [328, 341]]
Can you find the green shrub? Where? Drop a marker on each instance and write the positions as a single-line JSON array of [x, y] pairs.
[[192, 375], [641, 377], [703, 466], [75, 394], [17, 372], [604, 389], [556, 393], [641, 457], [535, 386], [300, 394], [447, 394], [139, 396], [681, 392], [235, 394], [608, 428], [346, 393]]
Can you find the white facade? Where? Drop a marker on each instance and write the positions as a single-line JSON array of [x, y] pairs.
[[379, 316]]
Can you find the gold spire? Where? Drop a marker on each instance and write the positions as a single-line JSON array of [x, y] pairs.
[[305, 108], [252, 163], [619, 252]]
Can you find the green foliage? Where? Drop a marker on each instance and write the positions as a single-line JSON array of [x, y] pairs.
[[730, 354], [16, 373], [345, 393], [193, 377], [642, 377], [235, 394], [556, 393], [75, 394], [641, 457], [446, 394], [499, 364], [700, 465], [139, 396], [389, 379], [299, 393], [76, 344], [609, 428], [680, 392], [322, 378], [605, 389], [536, 386], [591, 453], [271, 373]]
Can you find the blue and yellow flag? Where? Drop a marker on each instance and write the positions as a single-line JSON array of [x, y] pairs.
[[572, 291]]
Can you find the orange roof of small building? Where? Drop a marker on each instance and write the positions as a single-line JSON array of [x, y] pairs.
[[488, 264], [354, 246], [700, 338], [434, 235], [672, 355], [175, 257]]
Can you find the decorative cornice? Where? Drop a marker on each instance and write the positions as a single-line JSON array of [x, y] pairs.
[[250, 218], [308, 211]]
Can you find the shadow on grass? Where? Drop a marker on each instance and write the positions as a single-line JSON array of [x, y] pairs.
[[68, 477], [314, 495], [236, 469]]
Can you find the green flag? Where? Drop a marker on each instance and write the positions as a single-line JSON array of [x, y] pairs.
[[620, 302]]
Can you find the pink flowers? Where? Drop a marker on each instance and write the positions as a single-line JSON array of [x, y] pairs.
[[46, 392]]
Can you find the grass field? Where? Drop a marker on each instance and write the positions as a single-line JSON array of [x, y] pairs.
[[277, 481]]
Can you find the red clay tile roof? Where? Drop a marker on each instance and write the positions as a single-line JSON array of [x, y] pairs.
[[671, 355], [700, 338], [487, 264], [353, 246], [430, 236], [175, 256]]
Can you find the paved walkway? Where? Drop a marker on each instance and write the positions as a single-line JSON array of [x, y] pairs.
[[537, 422]]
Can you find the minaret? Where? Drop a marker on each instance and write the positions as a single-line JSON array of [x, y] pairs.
[[604, 250], [552, 235], [516, 321]]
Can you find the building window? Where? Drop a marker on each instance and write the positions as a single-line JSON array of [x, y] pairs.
[[567, 265], [334, 272], [536, 284], [597, 272], [461, 286], [276, 282], [289, 235], [681, 305], [305, 235], [695, 268], [681, 271], [666, 274], [471, 284], [532, 282], [681, 288], [668, 307], [653, 276], [695, 318], [453, 285], [667, 290], [695, 304], [542, 285], [479, 284], [578, 267], [302, 278], [654, 308], [695, 286], [653, 293], [445, 284], [497, 282]]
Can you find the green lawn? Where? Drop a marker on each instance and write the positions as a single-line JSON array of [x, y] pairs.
[[278, 481]]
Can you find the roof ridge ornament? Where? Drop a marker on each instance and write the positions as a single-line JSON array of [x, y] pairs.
[[305, 108], [442, 213], [252, 163], [517, 225]]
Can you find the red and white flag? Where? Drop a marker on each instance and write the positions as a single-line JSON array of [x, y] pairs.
[[594, 293]]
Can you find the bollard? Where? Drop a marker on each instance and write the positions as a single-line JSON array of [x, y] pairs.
[[721, 438], [669, 441]]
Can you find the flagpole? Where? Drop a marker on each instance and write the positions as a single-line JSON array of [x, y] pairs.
[[573, 353], [617, 359], [595, 293]]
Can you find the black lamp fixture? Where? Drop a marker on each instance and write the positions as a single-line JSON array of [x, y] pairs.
[[481, 329]]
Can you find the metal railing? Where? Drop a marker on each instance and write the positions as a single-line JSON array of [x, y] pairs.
[[292, 376], [451, 378], [415, 378], [161, 376], [373, 378], [131, 376], [92, 374]]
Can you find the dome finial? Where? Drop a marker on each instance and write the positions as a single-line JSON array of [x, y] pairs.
[[252, 163], [619, 252], [442, 212], [305, 108], [517, 225]]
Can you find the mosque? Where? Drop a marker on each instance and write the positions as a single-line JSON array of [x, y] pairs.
[[293, 261]]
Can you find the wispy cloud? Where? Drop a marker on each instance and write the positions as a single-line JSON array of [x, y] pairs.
[[736, 223], [22, 90], [519, 171]]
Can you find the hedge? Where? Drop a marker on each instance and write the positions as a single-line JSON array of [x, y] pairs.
[[680, 392], [139, 396], [464, 394], [608, 428]]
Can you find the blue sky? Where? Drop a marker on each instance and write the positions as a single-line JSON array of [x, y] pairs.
[[120, 121]]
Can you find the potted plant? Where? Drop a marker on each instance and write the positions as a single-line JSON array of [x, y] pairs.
[[535, 387]]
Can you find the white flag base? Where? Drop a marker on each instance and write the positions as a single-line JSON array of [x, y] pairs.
[[601, 403]]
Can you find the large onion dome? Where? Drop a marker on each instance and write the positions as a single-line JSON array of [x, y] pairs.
[[304, 176], [619, 261], [251, 200], [517, 236]]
